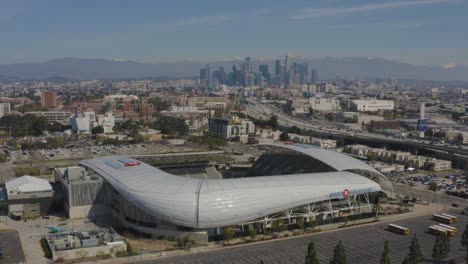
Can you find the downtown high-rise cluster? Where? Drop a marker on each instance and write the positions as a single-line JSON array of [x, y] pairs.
[[285, 75]]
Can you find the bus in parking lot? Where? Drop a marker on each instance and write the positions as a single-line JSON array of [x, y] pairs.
[[455, 218], [437, 230], [450, 229], [399, 229], [443, 219]]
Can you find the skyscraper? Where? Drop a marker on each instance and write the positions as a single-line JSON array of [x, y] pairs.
[[220, 75], [205, 74], [313, 77], [302, 68], [277, 68], [247, 76], [263, 69], [208, 73], [286, 73]]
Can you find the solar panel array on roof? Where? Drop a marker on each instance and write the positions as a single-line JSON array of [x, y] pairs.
[[114, 164]]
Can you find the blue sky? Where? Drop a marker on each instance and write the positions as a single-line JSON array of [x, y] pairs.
[[428, 32]]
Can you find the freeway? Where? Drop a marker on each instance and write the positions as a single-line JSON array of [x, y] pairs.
[[260, 111]]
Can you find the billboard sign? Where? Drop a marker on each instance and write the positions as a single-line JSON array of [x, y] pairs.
[[422, 125]]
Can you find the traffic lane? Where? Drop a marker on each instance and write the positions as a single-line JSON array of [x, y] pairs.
[[362, 244]]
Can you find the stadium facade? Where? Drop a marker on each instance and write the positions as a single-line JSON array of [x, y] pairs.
[[288, 181]]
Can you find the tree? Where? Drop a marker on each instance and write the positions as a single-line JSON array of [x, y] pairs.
[[273, 122], [300, 223], [97, 130], [441, 248], [312, 222], [284, 136], [406, 260], [415, 255], [278, 226], [312, 257], [229, 234], [385, 259], [464, 241], [159, 104], [185, 242], [433, 186], [437, 249], [189, 242], [339, 254], [252, 232], [340, 142]]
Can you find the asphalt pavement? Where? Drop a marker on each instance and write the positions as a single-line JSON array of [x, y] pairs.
[[363, 244], [11, 246]]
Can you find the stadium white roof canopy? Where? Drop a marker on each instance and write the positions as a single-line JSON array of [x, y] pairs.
[[27, 184], [210, 203]]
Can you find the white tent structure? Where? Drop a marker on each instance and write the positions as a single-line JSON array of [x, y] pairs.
[[27, 184]]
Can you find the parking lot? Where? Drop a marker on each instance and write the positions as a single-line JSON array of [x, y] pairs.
[[363, 244], [453, 183], [11, 246], [85, 150]]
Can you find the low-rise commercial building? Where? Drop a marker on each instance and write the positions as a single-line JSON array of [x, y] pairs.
[[84, 244], [372, 105], [398, 157], [324, 143], [195, 119], [439, 165], [5, 109], [62, 117], [229, 128], [303, 105]]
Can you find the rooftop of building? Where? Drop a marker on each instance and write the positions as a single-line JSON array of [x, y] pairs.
[[27, 184], [83, 239]]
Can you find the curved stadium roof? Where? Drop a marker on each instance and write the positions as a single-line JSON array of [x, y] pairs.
[[210, 203]]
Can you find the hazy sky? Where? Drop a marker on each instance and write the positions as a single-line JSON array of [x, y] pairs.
[[431, 32]]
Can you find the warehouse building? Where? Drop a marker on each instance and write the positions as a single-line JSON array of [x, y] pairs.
[[28, 197]]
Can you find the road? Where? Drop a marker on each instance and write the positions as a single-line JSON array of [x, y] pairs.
[[197, 153], [260, 111], [363, 244]]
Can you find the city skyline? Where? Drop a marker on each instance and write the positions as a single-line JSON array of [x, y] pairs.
[[208, 30]]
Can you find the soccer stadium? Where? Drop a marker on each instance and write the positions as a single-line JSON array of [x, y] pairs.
[[288, 182]]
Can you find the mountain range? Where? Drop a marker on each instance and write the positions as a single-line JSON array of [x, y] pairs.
[[328, 68]]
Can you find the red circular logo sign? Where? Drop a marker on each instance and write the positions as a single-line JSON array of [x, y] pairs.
[[345, 193]]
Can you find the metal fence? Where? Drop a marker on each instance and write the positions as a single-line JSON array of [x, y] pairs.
[[295, 226]]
